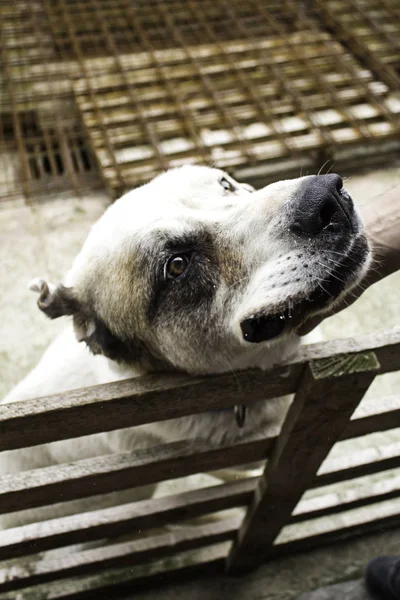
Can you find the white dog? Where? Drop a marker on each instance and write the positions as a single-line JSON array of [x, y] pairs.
[[198, 273]]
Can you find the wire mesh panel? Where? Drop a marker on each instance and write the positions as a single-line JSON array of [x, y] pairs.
[[43, 145], [272, 92], [371, 28], [263, 90]]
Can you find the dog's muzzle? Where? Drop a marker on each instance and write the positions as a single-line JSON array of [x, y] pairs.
[[321, 216]]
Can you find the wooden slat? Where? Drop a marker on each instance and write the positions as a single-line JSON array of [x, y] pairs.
[[135, 402], [118, 555], [308, 433], [378, 421], [360, 521], [116, 521], [142, 400], [338, 535], [385, 344], [207, 561], [333, 502], [360, 463], [104, 474], [120, 520]]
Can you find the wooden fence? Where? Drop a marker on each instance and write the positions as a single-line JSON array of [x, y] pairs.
[[328, 381]]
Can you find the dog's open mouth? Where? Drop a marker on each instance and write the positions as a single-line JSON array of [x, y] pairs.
[[263, 327]]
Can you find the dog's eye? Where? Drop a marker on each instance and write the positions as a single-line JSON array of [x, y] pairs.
[[227, 185], [176, 266]]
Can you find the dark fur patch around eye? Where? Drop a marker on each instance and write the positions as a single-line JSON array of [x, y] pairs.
[[196, 288]]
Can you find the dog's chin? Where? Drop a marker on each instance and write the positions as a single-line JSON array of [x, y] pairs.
[[322, 298]]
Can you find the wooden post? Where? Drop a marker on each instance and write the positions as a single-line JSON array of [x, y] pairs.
[[329, 392]]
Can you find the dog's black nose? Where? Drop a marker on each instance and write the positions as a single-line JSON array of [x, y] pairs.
[[322, 203]]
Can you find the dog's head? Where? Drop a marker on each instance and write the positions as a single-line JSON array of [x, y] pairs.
[[197, 272]]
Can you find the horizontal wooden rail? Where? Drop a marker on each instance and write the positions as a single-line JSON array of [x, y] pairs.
[[94, 476], [365, 466], [142, 400], [369, 522], [100, 475], [119, 555], [340, 500], [205, 561], [120, 520], [135, 402], [373, 423]]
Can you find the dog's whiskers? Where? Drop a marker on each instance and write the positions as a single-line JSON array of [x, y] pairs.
[[330, 168], [332, 274], [325, 163], [322, 287], [346, 256]]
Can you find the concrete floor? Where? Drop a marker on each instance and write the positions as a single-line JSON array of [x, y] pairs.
[[43, 240], [292, 578]]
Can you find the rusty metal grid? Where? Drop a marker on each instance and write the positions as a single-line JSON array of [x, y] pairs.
[[43, 144], [371, 29], [257, 105], [125, 89]]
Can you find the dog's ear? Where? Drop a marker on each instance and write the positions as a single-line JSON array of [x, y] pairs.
[[58, 301], [55, 301]]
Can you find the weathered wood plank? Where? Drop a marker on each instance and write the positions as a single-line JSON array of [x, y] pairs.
[[379, 421], [135, 402], [338, 535], [308, 434], [117, 520], [339, 500], [350, 523], [142, 400], [360, 463], [104, 474], [120, 555], [207, 561], [385, 344], [120, 520]]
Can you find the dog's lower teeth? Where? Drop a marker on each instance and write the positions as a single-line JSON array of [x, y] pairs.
[[261, 329]]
